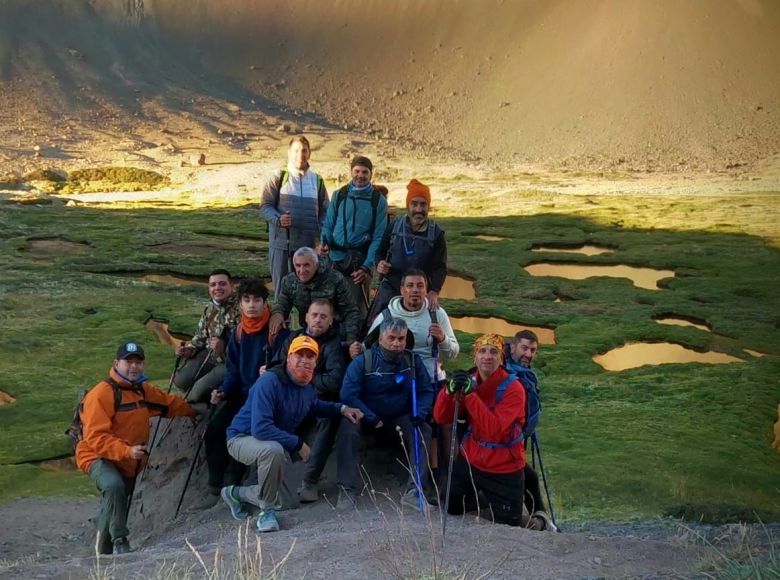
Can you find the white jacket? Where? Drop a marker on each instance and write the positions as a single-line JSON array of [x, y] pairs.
[[419, 322]]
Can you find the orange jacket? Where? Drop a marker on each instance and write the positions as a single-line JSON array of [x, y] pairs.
[[109, 434]]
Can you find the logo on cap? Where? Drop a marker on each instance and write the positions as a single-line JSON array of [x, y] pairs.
[[131, 347]]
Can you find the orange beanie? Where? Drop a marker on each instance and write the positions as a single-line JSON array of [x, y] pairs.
[[417, 189]]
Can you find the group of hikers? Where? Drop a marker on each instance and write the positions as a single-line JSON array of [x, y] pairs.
[[353, 369]]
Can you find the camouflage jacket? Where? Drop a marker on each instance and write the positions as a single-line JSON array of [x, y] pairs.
[[329, 284], [216, 321]]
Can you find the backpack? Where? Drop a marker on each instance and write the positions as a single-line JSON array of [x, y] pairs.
[[373, 336], [533, 403], [75, 430], [368, 362], [339, 198]]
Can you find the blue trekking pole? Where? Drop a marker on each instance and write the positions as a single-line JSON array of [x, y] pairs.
[[416, 430]]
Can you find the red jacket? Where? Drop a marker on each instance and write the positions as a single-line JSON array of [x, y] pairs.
[[110, 435], [490, 423]]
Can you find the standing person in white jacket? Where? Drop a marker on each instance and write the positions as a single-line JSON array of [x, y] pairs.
[[425, 325]]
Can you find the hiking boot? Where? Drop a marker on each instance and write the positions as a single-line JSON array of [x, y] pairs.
[[347, 501], [267, 522], [207, 502], [237, 509], [122, 546], [104, 545], [411, 499], [309, 492], [543, 521]]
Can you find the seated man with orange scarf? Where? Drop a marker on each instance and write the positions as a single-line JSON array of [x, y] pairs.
[[248, 353], [492, 454]]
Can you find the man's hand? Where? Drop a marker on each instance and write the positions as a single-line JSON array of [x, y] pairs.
[[379, 425], [275, 325], [217, 396], [138, 451], [352, 414], [437, 333], [359, 276], [217, 345], [355, 349], [184, 351], [433, 300], [285, 220], [383, 267], [304, 452], [261, 370], [462, 382], [323, 250]]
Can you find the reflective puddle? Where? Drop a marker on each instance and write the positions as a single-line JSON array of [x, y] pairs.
[[647, 278], [458, 288], [754, 353], [638, 354], [677, 321], [478, 325], [490, 238], [160, 329], [585, 249], [173, 280], [6, 399]]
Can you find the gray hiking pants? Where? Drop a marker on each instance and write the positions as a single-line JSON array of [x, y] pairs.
[[348, 450], [325, 437], [279, 260], [270, 458], [210, 377], [117, 490]]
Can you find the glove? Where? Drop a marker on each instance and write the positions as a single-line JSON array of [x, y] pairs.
[[460, 381]]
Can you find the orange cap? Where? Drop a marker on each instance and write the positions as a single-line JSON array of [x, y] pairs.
[[304, 342]]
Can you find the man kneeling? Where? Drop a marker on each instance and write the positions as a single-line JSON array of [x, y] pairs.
[[492, 454], [263, 431]]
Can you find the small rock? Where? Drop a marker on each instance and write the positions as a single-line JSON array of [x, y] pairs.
[[70, 203], [283, 129], [36, 147], [503, 104], [597, 560], [233, 108], [198, 159]]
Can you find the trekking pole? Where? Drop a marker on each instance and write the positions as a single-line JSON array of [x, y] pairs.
[[537, 450], [416, 430], [453, 441], [290, 265], [195, 459], [209, 353], [132, 494], [157, 426]]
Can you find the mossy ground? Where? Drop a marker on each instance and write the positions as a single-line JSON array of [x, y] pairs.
[[690, 441]]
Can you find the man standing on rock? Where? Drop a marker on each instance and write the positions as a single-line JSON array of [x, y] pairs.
[[294, 201], [522, 352], [114, 419], [264, 433], [205, 354], [354, 224], [312, 280], [411, 241]]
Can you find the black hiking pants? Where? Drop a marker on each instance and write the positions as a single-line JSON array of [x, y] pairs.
[[499, 494], [222, 467]]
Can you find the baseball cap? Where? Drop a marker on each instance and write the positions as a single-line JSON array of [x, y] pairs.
[[129, 349], [304, 342]]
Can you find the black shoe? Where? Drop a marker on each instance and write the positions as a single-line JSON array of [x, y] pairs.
[[104, 545], [121, 546]]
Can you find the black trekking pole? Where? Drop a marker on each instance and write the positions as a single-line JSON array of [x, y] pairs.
[[202, 438], [132, 492], [209, 353], [453, 442], [536, 450], [157, 426]]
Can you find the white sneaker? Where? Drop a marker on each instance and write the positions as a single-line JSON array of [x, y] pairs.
[[411, 499]]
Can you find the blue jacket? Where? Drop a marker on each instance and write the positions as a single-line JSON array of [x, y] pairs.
[[353, 227], [244, 359], [276, 407], [378, 394]]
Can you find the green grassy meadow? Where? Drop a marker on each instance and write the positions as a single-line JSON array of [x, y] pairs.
[[681, 440]]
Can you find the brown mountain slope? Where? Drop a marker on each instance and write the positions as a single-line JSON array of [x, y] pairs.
[[636, 84]]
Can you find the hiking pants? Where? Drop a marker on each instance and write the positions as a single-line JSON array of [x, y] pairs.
[[324, 439], [502, 493], [279, 261], [348, 449], [210, 377], [221, 466], [533, 494], [116, 491], [269, 457]]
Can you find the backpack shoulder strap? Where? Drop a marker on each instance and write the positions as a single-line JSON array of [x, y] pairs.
[[374, 204], [368, 361], [433, 229], [117, 392], [502, 387]]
